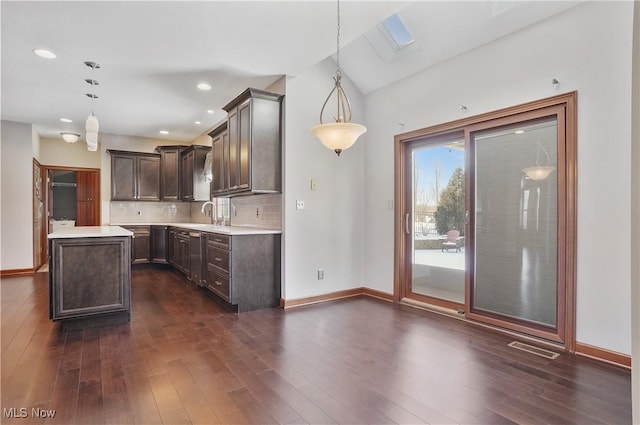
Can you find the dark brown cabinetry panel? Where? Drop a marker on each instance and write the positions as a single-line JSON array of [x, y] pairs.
[[170, 172], [254, 133], [220, 167], [140, 244], [193, 184], [244, 270], [89, 276], [135, 176], [159, 244], [87, 198]]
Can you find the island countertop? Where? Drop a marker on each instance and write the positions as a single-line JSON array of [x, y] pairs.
[[212, 228], [90, 232]]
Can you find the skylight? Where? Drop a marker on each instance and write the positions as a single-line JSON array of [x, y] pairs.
[[398, 31]]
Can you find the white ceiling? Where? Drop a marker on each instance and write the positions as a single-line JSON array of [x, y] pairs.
[[152, 54]]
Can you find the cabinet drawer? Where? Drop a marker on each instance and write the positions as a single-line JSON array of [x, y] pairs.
[[218, 282], [218, 258], [219, 241]]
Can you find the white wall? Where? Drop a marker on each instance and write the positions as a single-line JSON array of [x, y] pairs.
[[16, 182], [329, 232], [635, 213], [57, 152], [587, 48]]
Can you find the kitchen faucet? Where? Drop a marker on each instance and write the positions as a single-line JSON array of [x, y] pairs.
[[214, 214]]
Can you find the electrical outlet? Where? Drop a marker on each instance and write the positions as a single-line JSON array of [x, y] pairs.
[[320, 274], [139, 212], [257, 212], [299, 205], [390, 204]]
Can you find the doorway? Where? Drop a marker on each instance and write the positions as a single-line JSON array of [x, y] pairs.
[[487, 219], [72, 198]]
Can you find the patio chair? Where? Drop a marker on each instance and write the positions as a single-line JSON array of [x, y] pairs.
[[451, 242]]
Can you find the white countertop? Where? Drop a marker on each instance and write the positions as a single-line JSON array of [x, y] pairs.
[[211, 228], [89, 232]]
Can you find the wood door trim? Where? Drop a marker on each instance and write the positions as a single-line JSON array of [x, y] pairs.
[[566, 100]]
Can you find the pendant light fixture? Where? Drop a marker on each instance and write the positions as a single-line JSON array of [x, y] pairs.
[[342, 133], [92, 125], [539, 172]]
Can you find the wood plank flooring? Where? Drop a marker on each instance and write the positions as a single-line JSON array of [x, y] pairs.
[[184, 360]]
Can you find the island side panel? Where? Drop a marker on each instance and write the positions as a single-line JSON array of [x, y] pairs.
[[255, 271], [89, 276]]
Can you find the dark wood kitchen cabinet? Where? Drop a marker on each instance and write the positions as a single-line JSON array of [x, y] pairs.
[[89, 276], [140, 244], [170, 172], [135, 176], [179, 249], [193, 183], [220, 169], [254, 131], [87, 198], [159, 244], [244, 270]]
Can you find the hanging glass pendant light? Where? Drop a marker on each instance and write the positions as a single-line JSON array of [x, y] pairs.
[[342, 133], [92, 126], [539, 172]]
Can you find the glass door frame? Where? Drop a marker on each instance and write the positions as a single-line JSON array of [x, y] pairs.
[[567, 215]]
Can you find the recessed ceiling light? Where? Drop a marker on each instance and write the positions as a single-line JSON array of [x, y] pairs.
[[209, 111], [44, 53], [204, 86], [164, 132], [65, 120], [197, 123], [519, 131]]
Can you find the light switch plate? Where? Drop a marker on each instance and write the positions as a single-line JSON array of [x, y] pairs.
[[314, 184], [299, 205]]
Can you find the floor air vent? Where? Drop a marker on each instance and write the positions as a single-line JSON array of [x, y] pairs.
[[534, 350]]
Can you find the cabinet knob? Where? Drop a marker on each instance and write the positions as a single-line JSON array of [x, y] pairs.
[[218, 259], [217, 282]]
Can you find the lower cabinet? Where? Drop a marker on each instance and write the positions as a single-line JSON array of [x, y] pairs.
[[140, 244], [159, 244], [244, 270]]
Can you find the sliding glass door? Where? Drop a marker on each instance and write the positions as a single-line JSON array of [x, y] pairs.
[[487, 219], [514, 220]]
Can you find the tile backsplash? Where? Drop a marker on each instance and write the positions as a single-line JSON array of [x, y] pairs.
[[262, 211], [149, 212]]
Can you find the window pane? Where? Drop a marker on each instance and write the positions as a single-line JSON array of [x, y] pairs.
[[516, 221]]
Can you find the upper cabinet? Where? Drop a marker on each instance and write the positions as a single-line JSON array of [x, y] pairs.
[[135, 176], [254, 140], [170, 172], [220, 168], [193, 183]]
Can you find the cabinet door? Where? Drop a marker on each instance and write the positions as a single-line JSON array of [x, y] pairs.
[[244, 146], [219, 183], [87, 198], [148, 178], [186, 176], [172, 248], [234, 143], [170, 177], [123, 178], [158, 244]]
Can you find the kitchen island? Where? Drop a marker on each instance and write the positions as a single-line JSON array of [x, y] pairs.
[[90, 274]]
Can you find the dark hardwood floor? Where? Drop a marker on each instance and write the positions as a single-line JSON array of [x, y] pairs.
[[185, 360]]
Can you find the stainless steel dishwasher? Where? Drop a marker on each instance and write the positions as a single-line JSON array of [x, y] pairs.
[[195, 255]]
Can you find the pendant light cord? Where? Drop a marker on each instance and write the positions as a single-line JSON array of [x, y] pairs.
[[338, 71]]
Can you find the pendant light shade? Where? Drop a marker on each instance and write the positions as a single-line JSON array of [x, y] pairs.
[[342, 133], [538, 173], [92, 125], [338, 136], [70, 137]]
